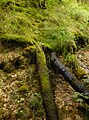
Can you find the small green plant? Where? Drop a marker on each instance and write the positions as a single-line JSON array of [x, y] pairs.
[[71, 61], [36, 101], [21, 100], [36, 106], [78, 97], [21, 113]]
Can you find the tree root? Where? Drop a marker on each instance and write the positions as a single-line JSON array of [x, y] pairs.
[[48, 99]]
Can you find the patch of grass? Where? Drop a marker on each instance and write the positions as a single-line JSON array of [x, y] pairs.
[[67, 19], [72, 61], [17, 21]]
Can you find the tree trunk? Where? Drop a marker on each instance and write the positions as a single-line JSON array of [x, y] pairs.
[[69, 77], [48, 99]]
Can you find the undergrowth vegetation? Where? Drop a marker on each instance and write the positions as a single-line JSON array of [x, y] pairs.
[[61, 26]]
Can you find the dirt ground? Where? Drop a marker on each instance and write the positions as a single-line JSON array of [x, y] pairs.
[[83, 56]]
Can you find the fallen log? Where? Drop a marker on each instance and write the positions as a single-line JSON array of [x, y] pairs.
[[48, 99], [69, 77]]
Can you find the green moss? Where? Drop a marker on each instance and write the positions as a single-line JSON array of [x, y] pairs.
[[21, 114], [43, 70], [25, 21], [72, 61], [80, 72], [15, 37], [23, 89], [45, 84]]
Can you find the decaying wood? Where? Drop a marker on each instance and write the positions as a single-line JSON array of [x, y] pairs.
[[48, 99], [69, 77]]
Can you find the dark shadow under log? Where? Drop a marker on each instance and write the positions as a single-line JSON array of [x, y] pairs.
[[69, 77], [48, 99]]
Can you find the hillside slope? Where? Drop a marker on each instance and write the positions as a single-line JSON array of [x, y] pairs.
[[62, 27]]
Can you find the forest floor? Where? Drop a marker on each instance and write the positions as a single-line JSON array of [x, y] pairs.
[[18, 70], [71, 110]]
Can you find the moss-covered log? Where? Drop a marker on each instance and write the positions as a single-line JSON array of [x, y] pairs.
[[48, 100], [69, 77]]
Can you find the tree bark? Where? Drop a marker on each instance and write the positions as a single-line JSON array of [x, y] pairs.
[[48, 99], [69, 77]]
